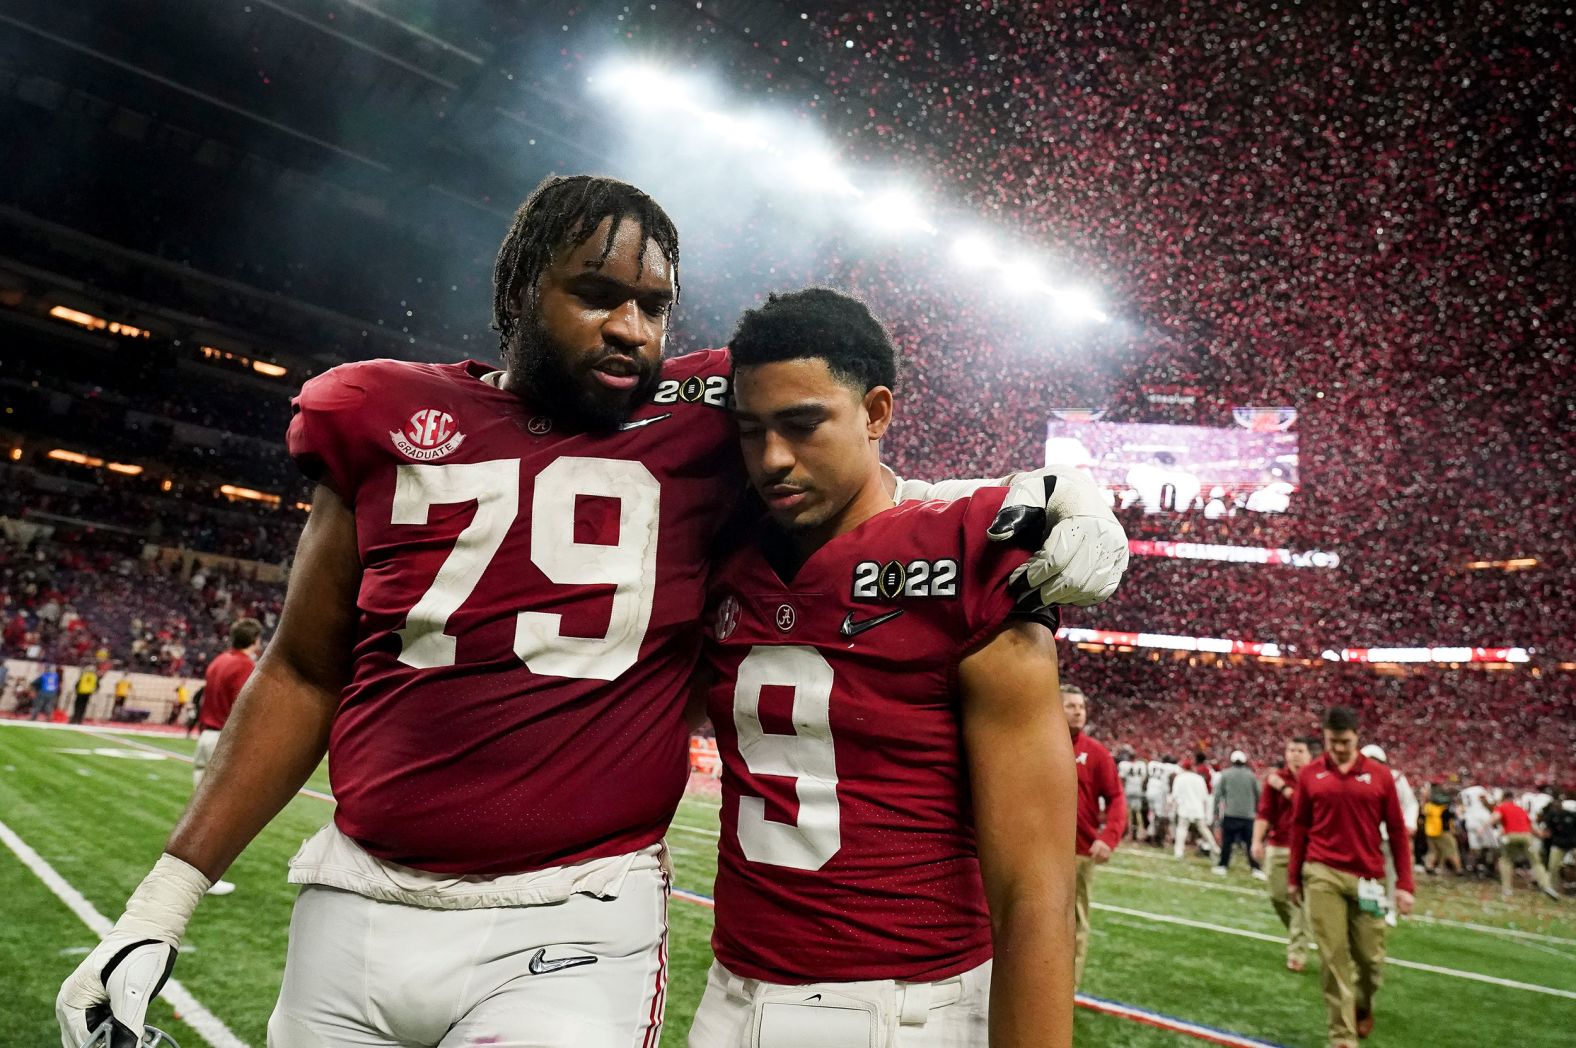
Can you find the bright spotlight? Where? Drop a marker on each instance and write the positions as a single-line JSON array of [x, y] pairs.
[[896, 211], [646, 84], [817, 170], [1023, 276], [744, 132], [1079, 304], [973, 251]]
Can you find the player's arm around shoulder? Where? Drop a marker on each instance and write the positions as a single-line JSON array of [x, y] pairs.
[[1025, 787]]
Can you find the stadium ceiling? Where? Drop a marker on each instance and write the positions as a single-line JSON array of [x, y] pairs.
[[469, 102], [422, 123]]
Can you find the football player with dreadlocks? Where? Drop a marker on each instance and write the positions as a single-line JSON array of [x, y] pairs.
[[489, 627]]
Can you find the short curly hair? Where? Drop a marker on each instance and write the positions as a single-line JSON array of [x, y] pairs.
[[562, 211], [822, 324]]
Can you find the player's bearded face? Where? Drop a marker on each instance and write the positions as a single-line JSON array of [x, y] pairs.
[[590, 347], [563, 379]]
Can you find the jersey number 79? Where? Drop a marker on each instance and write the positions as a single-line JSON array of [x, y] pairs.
[[629, 565]]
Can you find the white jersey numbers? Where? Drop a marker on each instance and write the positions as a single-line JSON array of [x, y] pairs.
[[495, 488], [806, 756], [629, 565]]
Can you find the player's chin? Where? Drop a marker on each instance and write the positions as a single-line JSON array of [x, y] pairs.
[[802, 516], [606, 408]]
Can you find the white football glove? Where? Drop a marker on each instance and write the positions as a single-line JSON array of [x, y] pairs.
[[121, 976], [1083, 549]]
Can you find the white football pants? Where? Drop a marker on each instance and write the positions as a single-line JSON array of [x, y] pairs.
[[1206, 835], [746, 1013], [207, 742], [584, 973]]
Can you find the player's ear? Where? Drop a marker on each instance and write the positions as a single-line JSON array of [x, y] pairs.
[[878, 411]]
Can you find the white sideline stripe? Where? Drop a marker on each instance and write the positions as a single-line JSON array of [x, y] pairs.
[[187, 1007], [1197, 882], [1489, 929], [693, 829], [315, 794], [1192, 882], [1186, 922], [1211, 1034]]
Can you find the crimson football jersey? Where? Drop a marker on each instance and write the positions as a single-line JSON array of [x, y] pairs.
[[529, 602], [847, 850]]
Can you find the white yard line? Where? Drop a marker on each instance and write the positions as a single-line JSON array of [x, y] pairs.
[[1186, 922], [1487, 929], [191, 1011], [683, 828], [304, 791], [1191, 882]]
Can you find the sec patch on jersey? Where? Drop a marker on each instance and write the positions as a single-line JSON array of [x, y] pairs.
[[430, 434]]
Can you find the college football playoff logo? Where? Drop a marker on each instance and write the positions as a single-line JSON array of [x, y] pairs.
[[430, 434]]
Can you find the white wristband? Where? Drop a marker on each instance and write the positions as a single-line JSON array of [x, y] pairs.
[[164, 901]]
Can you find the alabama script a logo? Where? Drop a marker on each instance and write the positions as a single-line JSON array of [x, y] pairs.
[[430, 434]]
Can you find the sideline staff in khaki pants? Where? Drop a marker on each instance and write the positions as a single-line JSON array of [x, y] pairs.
[[1337, 871], [1102, 814], [1272, 845]]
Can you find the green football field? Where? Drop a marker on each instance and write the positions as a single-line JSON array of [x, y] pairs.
[[89, 812]]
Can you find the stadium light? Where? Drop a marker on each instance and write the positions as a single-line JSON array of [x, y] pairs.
[[263, 367], [818, 170], [93, 323], [231, 491], [126, 468], [75, 457], [1023, 276], [1078, 304], [645, 85], [973, 251], [895, 210], [743, 132]]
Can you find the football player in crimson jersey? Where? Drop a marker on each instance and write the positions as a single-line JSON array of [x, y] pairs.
[[490, 627], [899, 795]]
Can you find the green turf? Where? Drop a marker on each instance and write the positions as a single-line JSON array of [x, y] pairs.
[[101, 821]]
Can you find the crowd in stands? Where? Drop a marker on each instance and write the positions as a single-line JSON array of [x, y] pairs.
[[67, 603], [83, 505], [1459, 726]]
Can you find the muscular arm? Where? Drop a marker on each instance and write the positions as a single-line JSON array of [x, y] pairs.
[[1020, 758], [278, 731]]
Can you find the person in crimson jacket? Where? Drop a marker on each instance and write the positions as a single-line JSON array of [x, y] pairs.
[[1337, 871], [1272, 845], [1102, 812]]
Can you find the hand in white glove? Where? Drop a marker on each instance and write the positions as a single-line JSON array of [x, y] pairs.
[[117, 981], [1083, 550], [120, 978]]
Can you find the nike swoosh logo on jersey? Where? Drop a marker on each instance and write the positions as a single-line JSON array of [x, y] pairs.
[[850, 628], [644, 421], [540, 965]]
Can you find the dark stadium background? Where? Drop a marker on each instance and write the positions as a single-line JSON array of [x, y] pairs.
[[1363, 211]]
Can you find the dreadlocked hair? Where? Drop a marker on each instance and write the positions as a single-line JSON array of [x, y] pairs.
[[566, 210]]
